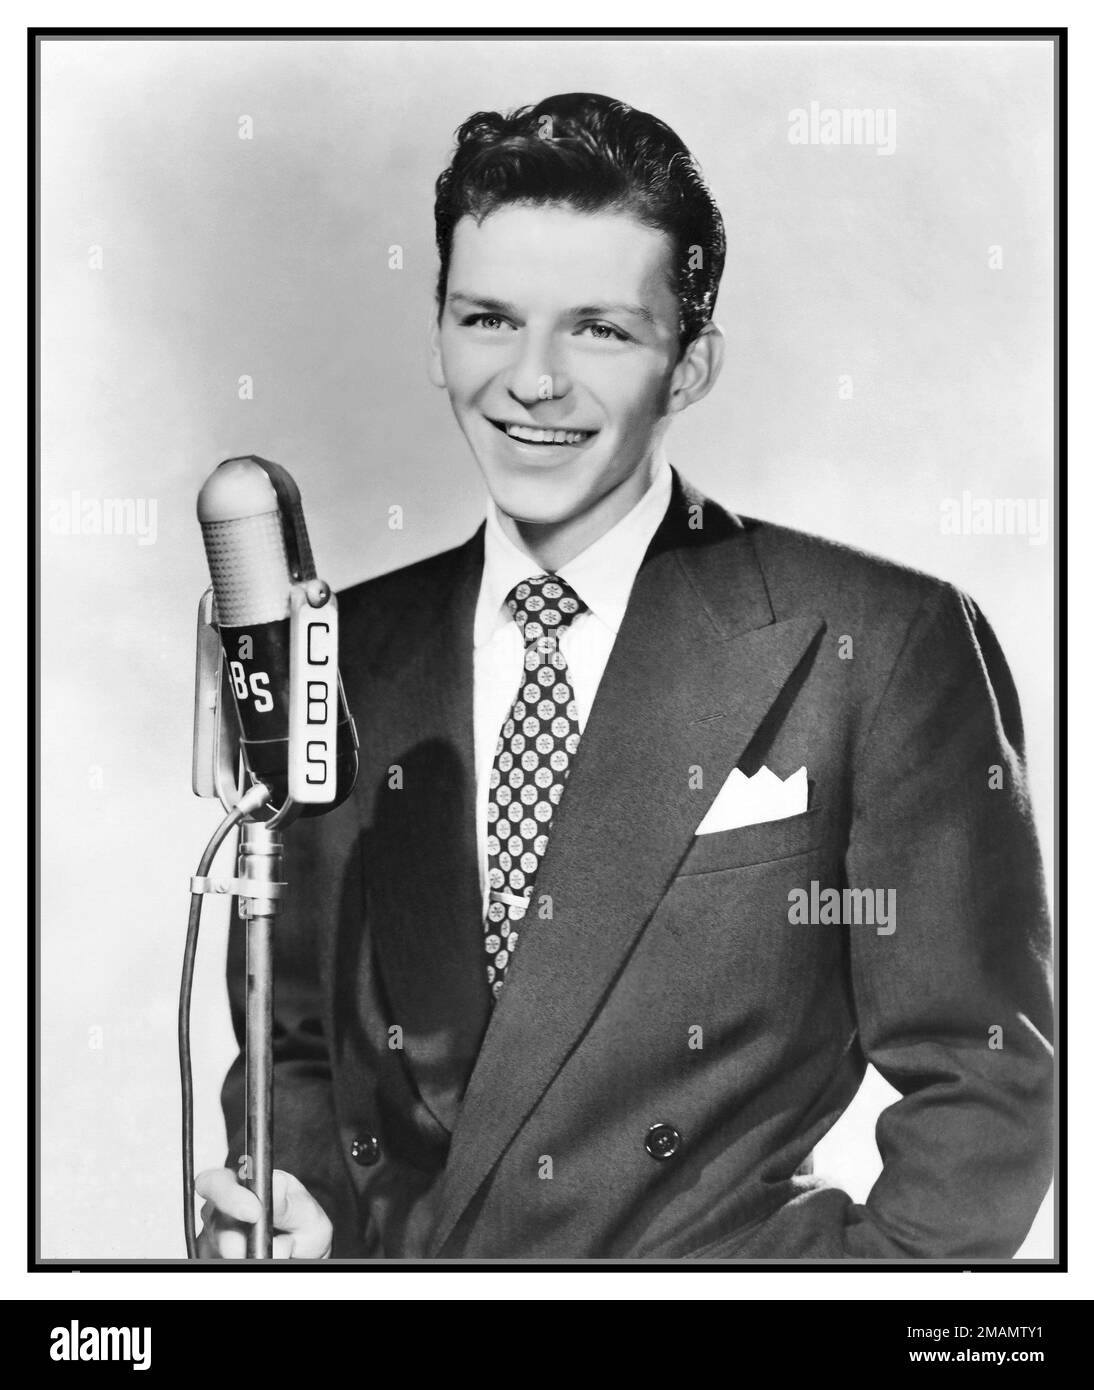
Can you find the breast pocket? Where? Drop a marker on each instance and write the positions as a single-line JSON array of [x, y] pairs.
[[753, 844]]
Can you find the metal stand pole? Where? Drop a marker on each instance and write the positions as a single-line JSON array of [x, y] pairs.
[[260, 862]]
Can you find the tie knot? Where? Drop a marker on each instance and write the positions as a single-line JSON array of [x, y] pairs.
[[543, 605]]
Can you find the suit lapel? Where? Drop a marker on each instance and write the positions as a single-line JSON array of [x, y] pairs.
[[420, 859], [697, 663]]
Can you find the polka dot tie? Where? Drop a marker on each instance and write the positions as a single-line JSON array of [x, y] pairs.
[[531, 764]]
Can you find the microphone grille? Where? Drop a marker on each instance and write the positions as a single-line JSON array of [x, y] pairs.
[[256, 542], [249, 569]]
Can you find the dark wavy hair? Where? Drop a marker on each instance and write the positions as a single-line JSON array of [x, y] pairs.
[[592, 154]]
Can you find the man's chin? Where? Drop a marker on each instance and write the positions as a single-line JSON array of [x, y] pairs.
[[528, 513], [535, 501]]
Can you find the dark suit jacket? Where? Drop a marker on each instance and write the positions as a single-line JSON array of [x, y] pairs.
[[732, 653]]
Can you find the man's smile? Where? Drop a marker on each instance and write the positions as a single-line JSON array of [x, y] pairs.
[[539, 435]]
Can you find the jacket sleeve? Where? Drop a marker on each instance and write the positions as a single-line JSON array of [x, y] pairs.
[[305, 1132], [954, 1004]]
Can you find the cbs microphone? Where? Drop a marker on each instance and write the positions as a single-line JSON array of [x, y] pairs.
[[269, 711], [277, 625]]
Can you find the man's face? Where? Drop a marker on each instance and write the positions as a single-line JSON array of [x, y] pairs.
[[558, 342]]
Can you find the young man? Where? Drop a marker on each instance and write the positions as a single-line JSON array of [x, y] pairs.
[[640, 870]]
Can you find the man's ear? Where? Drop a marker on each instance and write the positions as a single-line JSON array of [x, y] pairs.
[[436, 367], [698, 368]]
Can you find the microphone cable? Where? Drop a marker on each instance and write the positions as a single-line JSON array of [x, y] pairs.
[[257, 796]]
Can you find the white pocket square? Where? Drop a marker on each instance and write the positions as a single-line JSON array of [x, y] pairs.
[[751, 800]]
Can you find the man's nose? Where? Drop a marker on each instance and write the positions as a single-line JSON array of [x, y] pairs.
[[538, 373]]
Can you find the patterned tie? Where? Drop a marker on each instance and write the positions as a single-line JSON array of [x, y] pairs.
[[531, 763]]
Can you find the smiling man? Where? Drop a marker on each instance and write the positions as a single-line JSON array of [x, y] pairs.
[[545, 987], [559, 341]]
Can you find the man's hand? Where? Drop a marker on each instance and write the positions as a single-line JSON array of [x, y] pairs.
[[302, 1229]]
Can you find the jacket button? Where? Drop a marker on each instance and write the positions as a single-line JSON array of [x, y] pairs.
[[662, 1141], [365, 1150]]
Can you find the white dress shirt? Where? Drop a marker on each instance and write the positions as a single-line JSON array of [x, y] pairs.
[[602, 576]]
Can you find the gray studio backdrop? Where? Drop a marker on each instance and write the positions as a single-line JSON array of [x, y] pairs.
[[217, 278]]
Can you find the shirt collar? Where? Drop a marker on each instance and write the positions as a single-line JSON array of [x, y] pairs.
[[603, 574]]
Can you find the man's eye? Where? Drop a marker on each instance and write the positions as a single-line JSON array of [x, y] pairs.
[[492, 322], [605, 333]]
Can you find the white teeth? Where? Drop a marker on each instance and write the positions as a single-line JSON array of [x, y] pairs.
[[533, 436]]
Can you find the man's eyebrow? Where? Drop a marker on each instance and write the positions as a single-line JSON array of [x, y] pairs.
[[493, 306], [581, 311], [593, 311]]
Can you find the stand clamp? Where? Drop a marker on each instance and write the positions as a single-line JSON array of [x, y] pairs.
[[241, 887]]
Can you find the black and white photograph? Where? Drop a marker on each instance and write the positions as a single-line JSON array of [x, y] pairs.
[[548, 664]]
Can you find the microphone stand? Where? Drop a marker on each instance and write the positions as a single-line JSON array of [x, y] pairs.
[[219, 771], [260, 869]]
